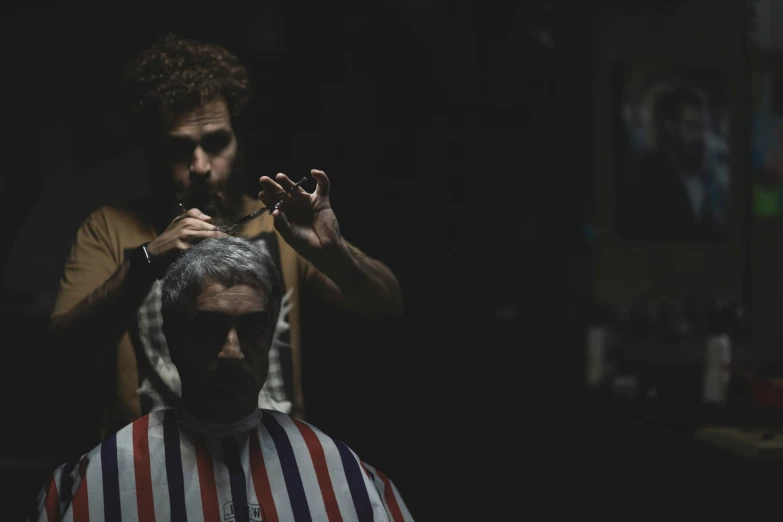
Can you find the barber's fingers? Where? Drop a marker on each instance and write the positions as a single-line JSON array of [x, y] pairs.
[[288, 184], [193, 213], [190, 237], [271, 191], [270, 187], [282, 224], [196, 213], [324, 186], [197, 224], [202, 233]]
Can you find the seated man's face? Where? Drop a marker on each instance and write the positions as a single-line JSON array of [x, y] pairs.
[[197, 156], [224, 361]]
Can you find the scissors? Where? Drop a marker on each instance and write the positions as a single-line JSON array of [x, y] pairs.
[[230, 229]]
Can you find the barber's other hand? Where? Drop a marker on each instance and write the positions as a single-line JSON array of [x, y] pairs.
[[182, 233], [306, 221]]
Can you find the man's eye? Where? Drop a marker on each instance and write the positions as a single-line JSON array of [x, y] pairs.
[[179, 150], [251, 329], [214, 144]]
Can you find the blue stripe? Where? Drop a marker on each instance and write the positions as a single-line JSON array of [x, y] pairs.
[[111, 479], [236, 475], [355, 477], [293, 479], [174, 473]]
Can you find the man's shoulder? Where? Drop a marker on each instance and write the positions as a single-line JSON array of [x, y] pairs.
[[288, 422], [279, 424], [122, 223], [135, 210]]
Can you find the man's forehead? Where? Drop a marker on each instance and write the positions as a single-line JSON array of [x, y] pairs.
[[217, 296], [210, 117]]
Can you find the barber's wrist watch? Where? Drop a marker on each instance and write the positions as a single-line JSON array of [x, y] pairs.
[[142, 267]]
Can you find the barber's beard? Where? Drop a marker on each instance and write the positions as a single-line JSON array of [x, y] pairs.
[[224, 209]]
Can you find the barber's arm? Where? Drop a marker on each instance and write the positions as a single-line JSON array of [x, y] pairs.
[[99, 294], [308, 223]]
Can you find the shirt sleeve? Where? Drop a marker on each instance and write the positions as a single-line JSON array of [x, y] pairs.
[[92, 260]]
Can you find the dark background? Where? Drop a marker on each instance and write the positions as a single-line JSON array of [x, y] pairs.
[[476, 160]]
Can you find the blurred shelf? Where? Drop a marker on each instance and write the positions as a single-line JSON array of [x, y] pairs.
[[761, 444]]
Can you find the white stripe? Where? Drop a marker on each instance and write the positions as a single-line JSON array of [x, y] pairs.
[[160, 489], [77, 480], [95, 485], [337, 475], [193, 507], [275, 474], [381, 488], [244, 459], [376, 479], [68, 517], [222, 478], [378, 507], [126, 474], [406, 515], [304, 461]]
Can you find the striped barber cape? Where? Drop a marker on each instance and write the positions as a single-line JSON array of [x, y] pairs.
[[170, 465]]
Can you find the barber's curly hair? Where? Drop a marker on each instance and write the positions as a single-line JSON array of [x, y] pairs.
[[176, 75]]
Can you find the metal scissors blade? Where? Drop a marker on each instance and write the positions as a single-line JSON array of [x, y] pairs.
[[260, 211]]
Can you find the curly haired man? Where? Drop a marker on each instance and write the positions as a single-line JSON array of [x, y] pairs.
[[188, 103]]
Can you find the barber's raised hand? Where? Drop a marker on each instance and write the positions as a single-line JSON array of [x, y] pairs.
[[306, 221], [182, 233]]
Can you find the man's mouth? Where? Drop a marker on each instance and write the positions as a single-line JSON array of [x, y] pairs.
[[205, 202]]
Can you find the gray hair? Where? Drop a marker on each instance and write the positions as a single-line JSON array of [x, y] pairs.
[[226, 260]]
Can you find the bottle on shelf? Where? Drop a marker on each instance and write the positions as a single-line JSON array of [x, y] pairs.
[[717, 356], [597, 347]]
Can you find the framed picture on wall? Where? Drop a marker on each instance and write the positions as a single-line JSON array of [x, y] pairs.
[[671, 126], [767, 135]]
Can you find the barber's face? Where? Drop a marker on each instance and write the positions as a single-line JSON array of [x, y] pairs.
[[196, 159], [224, 361], [691, 137]]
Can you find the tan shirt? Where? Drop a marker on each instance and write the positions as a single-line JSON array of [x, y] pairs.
[[99, 250]]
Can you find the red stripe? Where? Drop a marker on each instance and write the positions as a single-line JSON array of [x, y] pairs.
[[53, 502], [391, 500], [261, 480], [206, 478], [81, 510], [141, 467], [321, 470]]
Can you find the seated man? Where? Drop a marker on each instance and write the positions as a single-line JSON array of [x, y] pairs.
[[217, 456]]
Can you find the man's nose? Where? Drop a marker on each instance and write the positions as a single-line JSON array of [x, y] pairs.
[[231, 349], [200, 164]]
